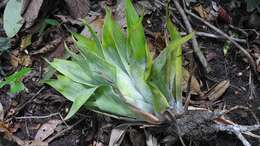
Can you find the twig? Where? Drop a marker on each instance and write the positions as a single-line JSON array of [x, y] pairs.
[[195, 44], [63, 131], [238, 130], [30, 100], [210, 35], [242, 138], [37, 117], [244, 108], [187, 102], [203, 34], [249, 57]]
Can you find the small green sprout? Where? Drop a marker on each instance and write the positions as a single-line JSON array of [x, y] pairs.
[[15, 80]]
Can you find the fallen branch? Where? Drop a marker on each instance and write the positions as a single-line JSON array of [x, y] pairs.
[[199, 125], [251, 60], [238, 130], [243, 50], [195, 44], [210, 35]]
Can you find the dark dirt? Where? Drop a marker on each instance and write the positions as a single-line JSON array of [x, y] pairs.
[[95, 129]]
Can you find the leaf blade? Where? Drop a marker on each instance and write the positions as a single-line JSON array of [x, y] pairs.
[[13, 20]]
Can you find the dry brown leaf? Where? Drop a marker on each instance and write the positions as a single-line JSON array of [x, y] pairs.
[[46, 130], [218, 90], [4, 128], [19, 58], [78, 8], [194, 85], [48, 47], [117, 135], [30, 12], [201, 11], [26, 41]]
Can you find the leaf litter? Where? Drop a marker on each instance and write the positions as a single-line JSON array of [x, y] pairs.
[[214, 93]]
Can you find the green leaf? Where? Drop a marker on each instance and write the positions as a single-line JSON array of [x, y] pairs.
[[106, 101], [79, 102], [12, 17], [138, 52], [95, 37], [103, 99], [129, 84], [52, 22], [114, 43], [2, 84], [160, 102], [16, 87], [167, 67], [67, 87], [73, 91], [130, 13], [174, 66], [175, 35], [17, 75], [72, 70], [15, 80], [86, 45], [99, 68], [134, 91]]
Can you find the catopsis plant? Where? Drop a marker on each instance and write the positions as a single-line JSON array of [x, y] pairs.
[[116, 75]]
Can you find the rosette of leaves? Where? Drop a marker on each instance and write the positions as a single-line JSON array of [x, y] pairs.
[[116, 75]]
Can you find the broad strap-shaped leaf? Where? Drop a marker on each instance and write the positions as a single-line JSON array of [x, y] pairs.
[[16, 87], [13, 21], [17, 75], [100, 69], [79, 102], [15, 80], [131, 93], [107, 102], [160, 102], [139, 54], [86, 44], [174, 66], [166, 71], [73, 91], [72, 70], [67, 87], [114, 43], [95, 37], [158, 72]]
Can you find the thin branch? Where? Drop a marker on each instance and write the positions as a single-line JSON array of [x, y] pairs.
[[210, 35], [195, 44], [30, 100], [243, 50], [64, 131], [242, 138], [37, 117], [238, 130]]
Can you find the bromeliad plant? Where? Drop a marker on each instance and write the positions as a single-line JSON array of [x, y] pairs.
[[116, 76]]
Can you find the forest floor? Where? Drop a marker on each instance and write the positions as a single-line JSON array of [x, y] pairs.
[[34, 116]]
